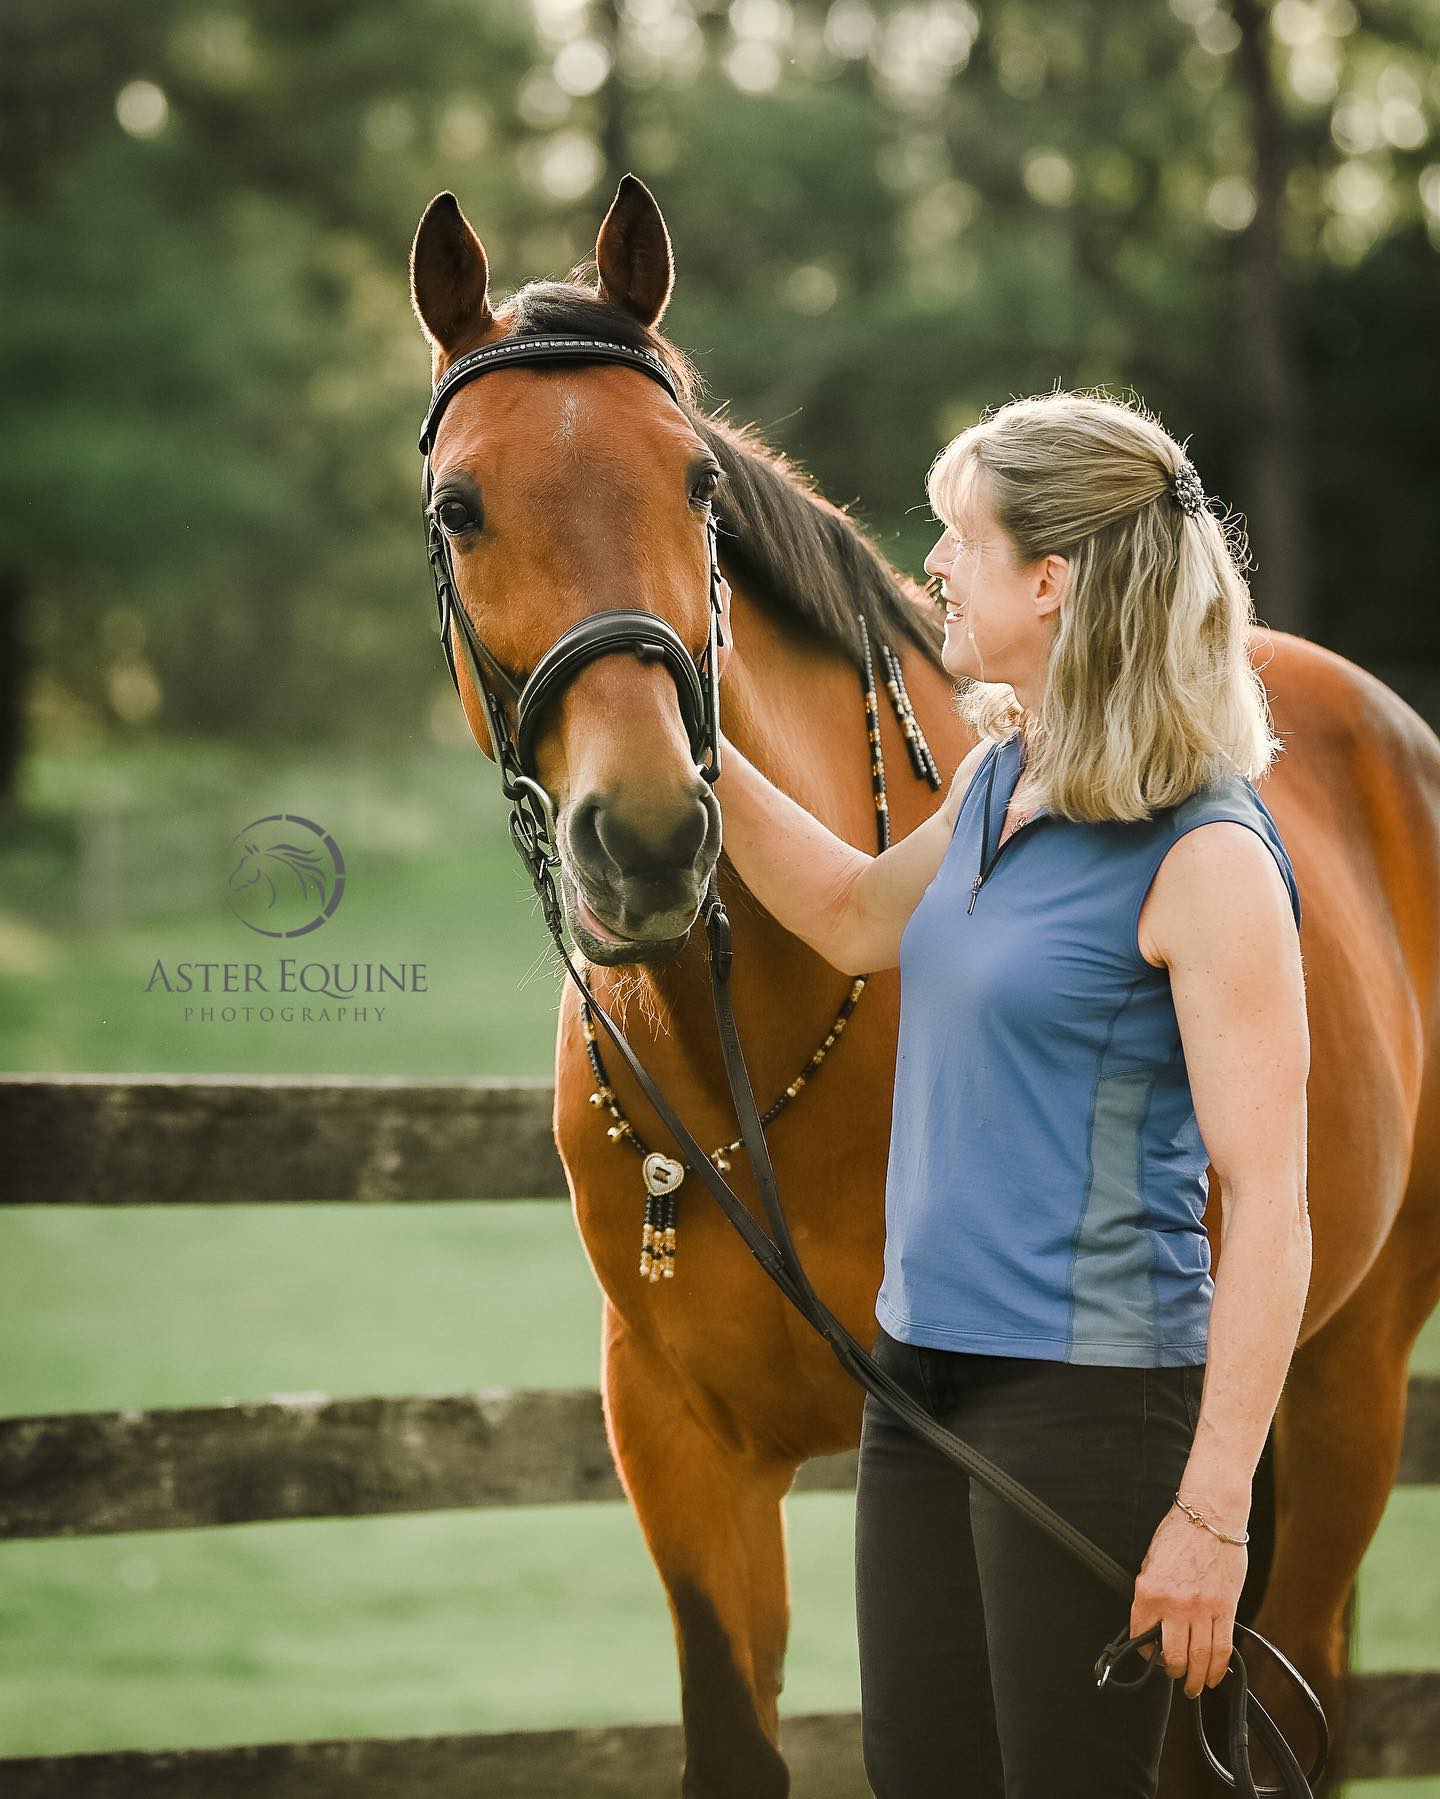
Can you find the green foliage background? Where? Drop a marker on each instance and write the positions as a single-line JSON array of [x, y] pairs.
[[885, 219]]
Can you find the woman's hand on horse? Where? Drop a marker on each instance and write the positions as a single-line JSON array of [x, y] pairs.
[[1189, 1584]]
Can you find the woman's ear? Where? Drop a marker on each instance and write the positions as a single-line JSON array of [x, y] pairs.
[[1054, 583]]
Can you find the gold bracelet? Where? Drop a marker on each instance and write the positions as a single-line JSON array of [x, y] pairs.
[[1196, 1518]]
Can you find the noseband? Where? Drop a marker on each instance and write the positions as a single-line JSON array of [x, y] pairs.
[[643, 634]]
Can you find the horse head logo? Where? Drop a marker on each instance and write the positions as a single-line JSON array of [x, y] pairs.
[[286, 876]]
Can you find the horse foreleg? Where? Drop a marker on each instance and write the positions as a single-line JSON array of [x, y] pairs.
[[711, 1517], [1336, 1439]]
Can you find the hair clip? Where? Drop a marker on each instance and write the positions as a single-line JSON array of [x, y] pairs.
[[1186, 489]]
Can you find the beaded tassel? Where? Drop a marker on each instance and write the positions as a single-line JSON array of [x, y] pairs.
[[872, 731], [658, 1232], [657, 1243], [921, 759]]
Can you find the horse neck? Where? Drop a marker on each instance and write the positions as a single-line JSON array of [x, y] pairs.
[[793, 704]]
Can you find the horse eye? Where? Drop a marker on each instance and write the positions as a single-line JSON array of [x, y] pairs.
[[707, 486], [454, 517]]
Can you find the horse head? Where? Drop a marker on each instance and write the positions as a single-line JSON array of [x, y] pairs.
[[567, 491]]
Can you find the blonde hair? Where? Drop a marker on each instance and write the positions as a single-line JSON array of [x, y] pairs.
[[1150, 693]]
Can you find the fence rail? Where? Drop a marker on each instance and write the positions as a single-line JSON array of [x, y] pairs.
[[308, 1456], [98, 1140], [102, 1141]]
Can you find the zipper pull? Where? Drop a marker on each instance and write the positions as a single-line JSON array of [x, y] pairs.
[[974, 889]]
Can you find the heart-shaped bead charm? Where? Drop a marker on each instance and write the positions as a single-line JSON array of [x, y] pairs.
[[663, 1174]]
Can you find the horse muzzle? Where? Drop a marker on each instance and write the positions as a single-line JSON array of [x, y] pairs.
[[633, 893]]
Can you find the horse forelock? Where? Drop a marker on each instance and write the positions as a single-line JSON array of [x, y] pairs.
[[568, 309]]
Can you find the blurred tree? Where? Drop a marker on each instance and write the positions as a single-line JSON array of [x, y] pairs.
[[1265, 363], [886, 218], [12, 682], [614, 131]]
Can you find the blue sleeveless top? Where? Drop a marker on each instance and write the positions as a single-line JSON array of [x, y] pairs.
[[1047, 1180]]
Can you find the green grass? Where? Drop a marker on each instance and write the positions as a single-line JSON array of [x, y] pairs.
[[530, 1617], [187, 1305], [386, 1626]]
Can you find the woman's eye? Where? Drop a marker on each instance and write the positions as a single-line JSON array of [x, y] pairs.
[[454, 516]]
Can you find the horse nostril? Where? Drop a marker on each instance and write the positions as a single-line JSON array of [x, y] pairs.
[[584, 836], [645, 846]]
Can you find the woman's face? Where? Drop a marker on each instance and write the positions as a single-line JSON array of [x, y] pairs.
[[999, 617]]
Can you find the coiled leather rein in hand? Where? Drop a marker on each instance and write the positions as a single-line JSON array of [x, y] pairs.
[[1241, 1703]]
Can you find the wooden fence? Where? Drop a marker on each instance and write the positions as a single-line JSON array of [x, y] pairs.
[[99, 1141]]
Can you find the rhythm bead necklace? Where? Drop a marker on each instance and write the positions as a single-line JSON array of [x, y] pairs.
[[662, 1174]]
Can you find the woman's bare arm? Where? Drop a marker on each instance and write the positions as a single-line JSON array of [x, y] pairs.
[[851, 908], [1226, 932]]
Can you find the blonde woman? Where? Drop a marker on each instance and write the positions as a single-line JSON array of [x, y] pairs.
[[1101, 993]]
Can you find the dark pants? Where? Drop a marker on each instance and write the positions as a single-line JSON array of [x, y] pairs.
[[979, 1632]]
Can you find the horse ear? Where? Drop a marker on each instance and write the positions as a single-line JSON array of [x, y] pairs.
[[449, 276], [632, 253]]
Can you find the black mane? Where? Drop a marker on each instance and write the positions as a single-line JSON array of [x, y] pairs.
[[779, 535]]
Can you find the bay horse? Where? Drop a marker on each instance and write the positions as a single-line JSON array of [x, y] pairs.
[[587, 486]]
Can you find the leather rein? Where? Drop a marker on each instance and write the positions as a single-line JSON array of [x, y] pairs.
[[533, 830]]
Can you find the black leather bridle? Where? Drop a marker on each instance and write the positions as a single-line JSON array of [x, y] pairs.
[[643, 634], [532, 826]]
